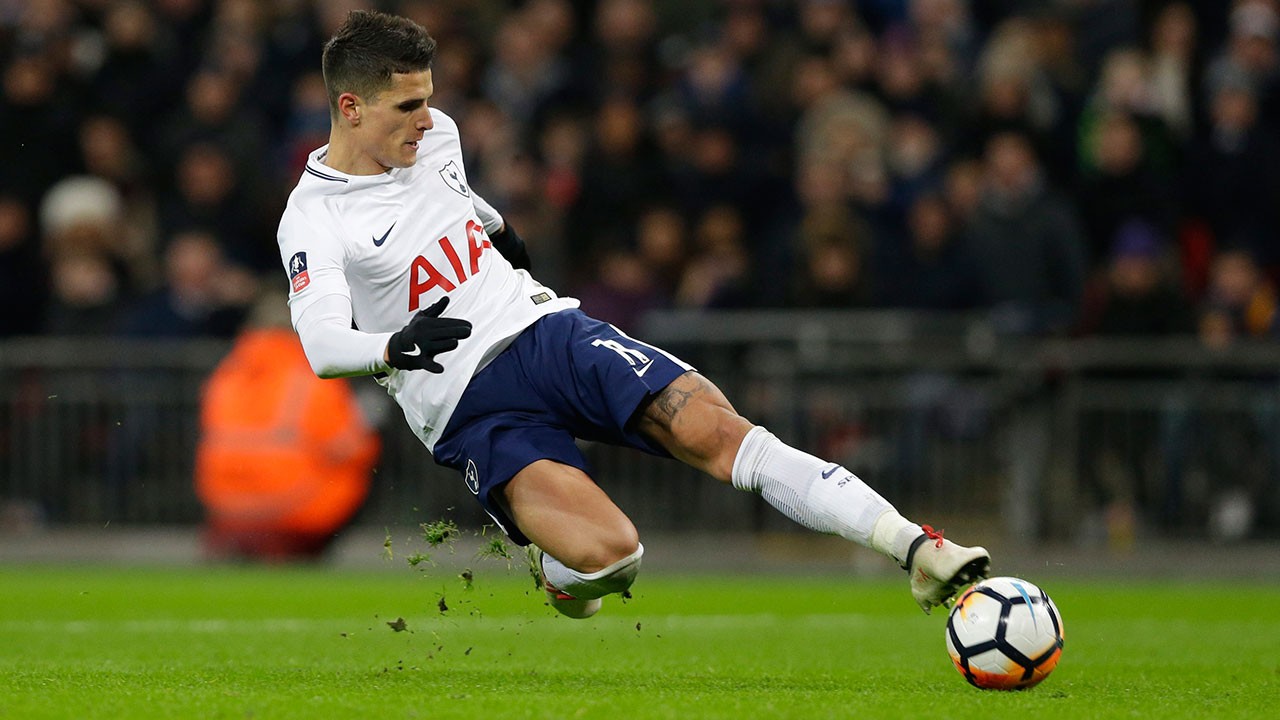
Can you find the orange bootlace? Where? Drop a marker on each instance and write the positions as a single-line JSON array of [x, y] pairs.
[[933, 535]]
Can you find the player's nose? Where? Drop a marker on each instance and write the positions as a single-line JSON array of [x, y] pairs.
[[425, 122]]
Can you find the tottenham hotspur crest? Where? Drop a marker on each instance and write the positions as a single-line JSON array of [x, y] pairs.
[[472, 478], [452, 176]]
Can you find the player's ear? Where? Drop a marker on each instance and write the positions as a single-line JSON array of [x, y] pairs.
[[350, 107]]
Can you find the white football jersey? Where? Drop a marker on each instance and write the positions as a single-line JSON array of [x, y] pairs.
[[394, 244]]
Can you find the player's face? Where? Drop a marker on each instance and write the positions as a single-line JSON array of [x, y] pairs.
[[395, 119]]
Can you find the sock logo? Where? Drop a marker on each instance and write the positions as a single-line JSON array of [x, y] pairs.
[[828, 473]]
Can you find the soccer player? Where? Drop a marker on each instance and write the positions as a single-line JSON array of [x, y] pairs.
[[398, 269]]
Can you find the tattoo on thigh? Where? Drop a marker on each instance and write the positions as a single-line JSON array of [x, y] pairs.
[[673, 399]]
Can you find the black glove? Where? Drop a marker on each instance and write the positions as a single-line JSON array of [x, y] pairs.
[[427, 335], [512, 247]]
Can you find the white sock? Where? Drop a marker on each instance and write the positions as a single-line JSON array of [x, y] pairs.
[[589, 586], [820, 495]]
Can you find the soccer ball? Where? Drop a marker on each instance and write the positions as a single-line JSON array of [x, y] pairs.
[[1004, 634]]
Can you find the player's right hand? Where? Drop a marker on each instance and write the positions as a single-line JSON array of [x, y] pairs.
[[415, 346]]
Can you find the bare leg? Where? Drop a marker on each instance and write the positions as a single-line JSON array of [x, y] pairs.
[[694, 421], [566, 514]]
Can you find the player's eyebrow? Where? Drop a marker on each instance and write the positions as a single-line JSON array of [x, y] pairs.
[[410, 105]]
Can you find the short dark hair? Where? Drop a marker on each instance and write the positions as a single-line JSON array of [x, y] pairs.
[[368, 49]]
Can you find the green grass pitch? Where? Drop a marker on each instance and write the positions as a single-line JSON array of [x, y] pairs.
[[315, 643]]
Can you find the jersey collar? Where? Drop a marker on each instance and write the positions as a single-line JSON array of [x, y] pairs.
[[316, 168]]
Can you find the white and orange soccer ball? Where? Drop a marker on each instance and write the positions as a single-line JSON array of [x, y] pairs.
[[1004, 634]]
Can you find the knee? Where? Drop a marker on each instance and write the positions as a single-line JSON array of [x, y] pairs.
[[606, 548], [615, 577]]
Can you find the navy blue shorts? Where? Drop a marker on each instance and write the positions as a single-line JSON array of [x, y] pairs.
[[566, 376]]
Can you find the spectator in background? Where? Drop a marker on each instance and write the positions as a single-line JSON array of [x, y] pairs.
[[85, 296], [768, 58], [108, 153], [1015, 95], [728, 150], [82, 216], [1236, 450], [209, 194], [1027, 245], [1119, 183], [1241, 301], [717, 274], [1060, 60], [201, 296], [308, 124], [618, 179], [935, 270], [833, 244], [1030, 257], [214, 116], [184, 22], [1125, 88], [844, 128], [661, 241], [900, 77], [563, 146], [1174, 43], [835, 276], [1140, 295], [284, 458], [822, 23], [947, 23], [1139, 298], [1102, 25], [718, 173], [622, 57], [916, 160], [22, 274], [525, 73], [1251, 58], [137, 74], [494, 144], [37, 125], [235, 48], [962, 189], [1231, 177], [622, 292], [455, 72]]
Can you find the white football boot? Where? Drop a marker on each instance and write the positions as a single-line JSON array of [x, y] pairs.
[[563, 602], [939, 568]]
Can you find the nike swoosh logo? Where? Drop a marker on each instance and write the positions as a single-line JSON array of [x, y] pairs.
[[643, 370], [830, 472], [414, 353], [377, 242]]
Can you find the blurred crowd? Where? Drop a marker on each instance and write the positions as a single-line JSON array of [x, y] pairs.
[[1069, 166]]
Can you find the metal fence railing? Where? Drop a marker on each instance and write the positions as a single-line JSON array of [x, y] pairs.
[[1052, 437]]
